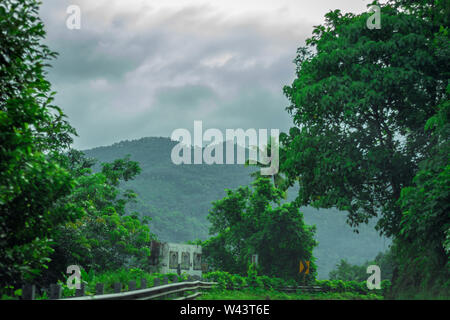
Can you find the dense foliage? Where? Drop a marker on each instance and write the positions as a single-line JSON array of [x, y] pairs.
[[32, 133], [248, 222], [104, 237], [422, 246], [53, 210], [360, 104], [229, 281]]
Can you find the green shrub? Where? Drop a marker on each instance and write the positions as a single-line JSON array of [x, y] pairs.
[[252, 279], [238, 281], [224, 279], [266, 282], [340, 286]]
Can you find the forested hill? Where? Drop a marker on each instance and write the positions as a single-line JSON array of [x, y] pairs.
[[178, 198]]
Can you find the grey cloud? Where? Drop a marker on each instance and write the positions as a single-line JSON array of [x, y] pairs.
[[147, 71]]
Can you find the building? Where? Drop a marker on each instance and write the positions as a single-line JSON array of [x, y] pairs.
[[179, 258]]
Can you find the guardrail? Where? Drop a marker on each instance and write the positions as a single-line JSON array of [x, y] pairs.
[[164, 291], [172, 291]]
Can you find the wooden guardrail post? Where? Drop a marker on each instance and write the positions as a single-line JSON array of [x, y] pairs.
[[80, 292], [29, 292], [156, 282], [99, 289], [161, 292], [175, 280], [117, 287], [132, 285], [166, 280], [55, 291], [143, 283]]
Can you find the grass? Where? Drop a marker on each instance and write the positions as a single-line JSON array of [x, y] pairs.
[[261, 294]]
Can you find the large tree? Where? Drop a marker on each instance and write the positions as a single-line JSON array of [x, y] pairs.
[[422, 247], [364, 104], [248, 222], [359, 104], [54, 211], [105, 237], [32, 132]]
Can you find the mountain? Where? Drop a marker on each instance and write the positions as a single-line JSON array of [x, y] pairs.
[[178, 197]]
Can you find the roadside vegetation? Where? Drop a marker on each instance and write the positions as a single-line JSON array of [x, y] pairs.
[[370, 136]]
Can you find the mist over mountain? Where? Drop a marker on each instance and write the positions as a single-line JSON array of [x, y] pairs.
[[178, 198]]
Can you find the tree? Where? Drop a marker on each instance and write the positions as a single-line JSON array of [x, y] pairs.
[[349, 272], [436, 12], [422, 247], [104, 237], [32, 132], [359, 104], [248, 222]]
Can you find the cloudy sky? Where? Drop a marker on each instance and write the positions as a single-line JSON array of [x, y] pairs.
[[140, 68]]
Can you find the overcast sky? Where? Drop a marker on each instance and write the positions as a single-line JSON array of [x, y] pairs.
[[140, 68]]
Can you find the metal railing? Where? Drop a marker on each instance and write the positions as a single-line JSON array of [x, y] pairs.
[[165, 291], [187, 290]]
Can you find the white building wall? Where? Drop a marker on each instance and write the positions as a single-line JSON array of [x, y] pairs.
[[188, 256]]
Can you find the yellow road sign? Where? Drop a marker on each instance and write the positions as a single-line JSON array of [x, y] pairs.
[[303, 268]]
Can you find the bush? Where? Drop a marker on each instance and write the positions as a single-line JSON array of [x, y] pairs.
[[224, 279], [340, 286], [238, 281], [227, 281]]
